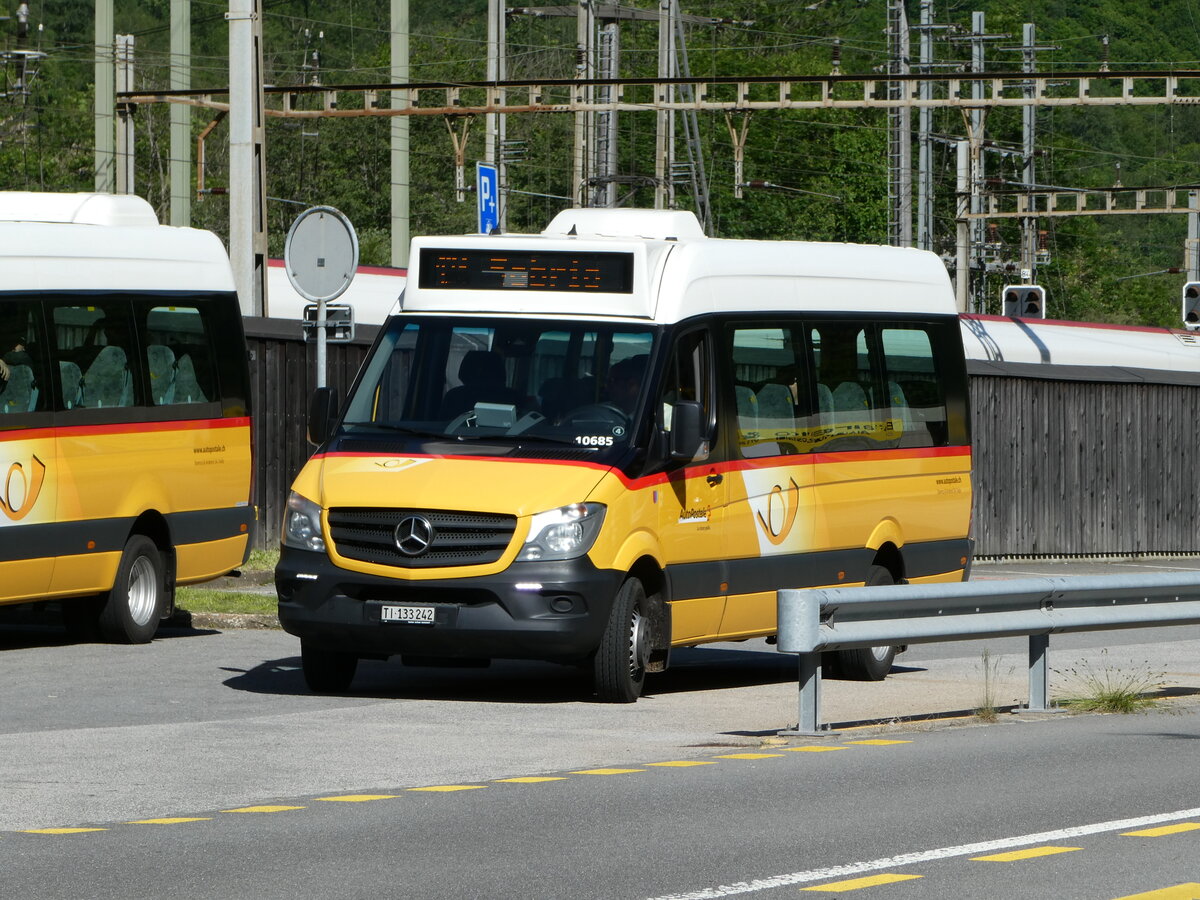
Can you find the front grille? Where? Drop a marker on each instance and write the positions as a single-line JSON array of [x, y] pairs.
[[459, 538]]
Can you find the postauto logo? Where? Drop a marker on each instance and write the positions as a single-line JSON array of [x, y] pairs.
[[21, 488]]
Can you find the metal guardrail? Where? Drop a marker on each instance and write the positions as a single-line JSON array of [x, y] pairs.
[[817, 620]]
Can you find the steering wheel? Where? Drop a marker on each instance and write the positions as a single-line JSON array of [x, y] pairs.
[[603, 413]]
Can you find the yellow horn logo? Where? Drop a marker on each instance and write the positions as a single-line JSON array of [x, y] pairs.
[[791, 505], [31, 483]]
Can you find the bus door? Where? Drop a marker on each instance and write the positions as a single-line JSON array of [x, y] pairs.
[[28, 481], [692, 500]]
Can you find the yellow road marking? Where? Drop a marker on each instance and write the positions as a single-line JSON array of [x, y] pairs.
[[1029, 853], [447, 788], [61, 830], [1189, 891], [855, 883], [684, 763], [878, 742], [532, 779], [606, 771], [748, 756], [1166, 829], [811, 749], [175, 821], [262, 809], [358, 798]]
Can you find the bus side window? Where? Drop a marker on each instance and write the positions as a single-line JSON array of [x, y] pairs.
[[179, 353], [93, 341], [915, 394], [852, 404], [770, 390], [23, 382]]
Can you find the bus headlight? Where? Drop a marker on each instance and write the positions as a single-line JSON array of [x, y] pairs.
[[563, 533], [302, 525]]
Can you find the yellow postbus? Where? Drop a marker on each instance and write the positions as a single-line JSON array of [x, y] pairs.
[[620, 437], [125, 455]]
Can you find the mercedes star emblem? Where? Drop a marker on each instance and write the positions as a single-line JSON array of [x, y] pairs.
[[413, 535]]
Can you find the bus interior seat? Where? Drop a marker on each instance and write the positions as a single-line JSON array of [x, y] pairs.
[[20, 391], [483, 380], [106, 383], [71, 379], [185, 386], [747, 406], [824, 398], [161, 360], [775, 401], [849, 396]]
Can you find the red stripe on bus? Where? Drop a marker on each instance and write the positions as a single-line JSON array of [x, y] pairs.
[[125, 428], [772, 462]]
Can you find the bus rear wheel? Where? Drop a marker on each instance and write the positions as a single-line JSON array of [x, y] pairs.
[[619, 664], [133, 608], [867, 663]]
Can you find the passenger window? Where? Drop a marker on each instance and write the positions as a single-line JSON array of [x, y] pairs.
[[179, 361], [852, 407], [23, 382], [92, 345], [769, 391], [915, 394]]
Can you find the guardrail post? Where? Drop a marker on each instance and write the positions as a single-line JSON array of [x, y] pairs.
[[799, 614], [1039, 673]]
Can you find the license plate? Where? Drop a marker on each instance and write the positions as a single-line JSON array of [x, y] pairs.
[[413, 615]]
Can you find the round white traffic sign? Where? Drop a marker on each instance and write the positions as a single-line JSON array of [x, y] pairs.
[[321, 254]]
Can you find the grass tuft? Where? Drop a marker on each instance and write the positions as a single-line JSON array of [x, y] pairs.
[[1103, 687], [988, 709]]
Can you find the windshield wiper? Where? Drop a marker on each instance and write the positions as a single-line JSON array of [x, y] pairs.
[[402, 429]]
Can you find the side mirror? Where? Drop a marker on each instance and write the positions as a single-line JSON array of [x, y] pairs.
[[687, 433], [322, 415]]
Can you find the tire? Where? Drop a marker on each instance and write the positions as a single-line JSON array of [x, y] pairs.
[[137, 601], [327, 671], [868, 663], [619, 664]]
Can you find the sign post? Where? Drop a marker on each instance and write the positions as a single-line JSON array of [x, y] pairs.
[[320, 257], [487, 192]]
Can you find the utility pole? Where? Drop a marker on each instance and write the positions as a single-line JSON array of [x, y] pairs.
[[497, 123], [604, 192], [1028, 124], [104, 98], [924, 130], [664, 144], [899, 132], [124, 137], [180, 167], [585, 28], [399, 136], [247, 158]]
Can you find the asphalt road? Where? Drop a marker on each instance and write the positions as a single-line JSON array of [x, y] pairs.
[[200, 723]]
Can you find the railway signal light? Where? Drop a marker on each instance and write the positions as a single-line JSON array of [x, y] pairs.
[[1024, 301], [1191, 305]]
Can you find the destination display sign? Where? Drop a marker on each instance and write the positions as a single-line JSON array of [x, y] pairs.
[[504, 270]]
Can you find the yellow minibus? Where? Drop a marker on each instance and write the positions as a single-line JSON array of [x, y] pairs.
[[125, 454], [620, 437]]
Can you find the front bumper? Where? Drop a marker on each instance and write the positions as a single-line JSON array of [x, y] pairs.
[[554, 611]]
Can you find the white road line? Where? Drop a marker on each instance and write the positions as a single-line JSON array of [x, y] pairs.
[[908, 859]]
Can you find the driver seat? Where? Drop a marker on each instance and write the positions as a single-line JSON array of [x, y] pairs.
[[483, 381]]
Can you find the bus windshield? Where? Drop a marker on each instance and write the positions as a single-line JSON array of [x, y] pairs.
[[528, 386]]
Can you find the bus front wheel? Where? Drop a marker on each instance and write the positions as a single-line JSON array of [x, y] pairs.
[[327, 671], [134, 606], [619, 664], [868, 663]]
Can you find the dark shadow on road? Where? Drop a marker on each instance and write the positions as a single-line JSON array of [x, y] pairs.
[[513, 681]]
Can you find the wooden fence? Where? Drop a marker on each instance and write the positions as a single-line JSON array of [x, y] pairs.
[[1064, 465]]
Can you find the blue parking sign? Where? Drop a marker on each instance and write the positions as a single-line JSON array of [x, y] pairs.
[[487, 191]]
